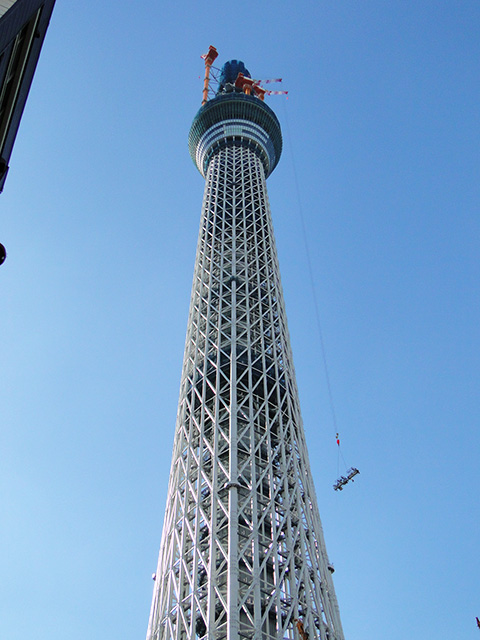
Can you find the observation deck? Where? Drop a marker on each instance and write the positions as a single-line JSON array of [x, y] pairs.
[[235, 118]]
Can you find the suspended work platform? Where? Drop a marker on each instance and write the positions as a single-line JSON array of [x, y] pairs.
[[343, 480]]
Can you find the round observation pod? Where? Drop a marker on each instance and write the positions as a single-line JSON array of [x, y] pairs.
[[3, 253], [234, 118]]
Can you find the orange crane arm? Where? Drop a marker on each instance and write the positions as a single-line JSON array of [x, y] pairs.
[[209, 59]]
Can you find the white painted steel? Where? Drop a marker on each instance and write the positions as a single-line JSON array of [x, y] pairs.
[[242, 553], [235, 130]]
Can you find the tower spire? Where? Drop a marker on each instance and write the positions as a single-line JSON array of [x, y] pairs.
[[242, 555]]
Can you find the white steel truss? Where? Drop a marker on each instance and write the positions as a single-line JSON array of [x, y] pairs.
[[242, 554]]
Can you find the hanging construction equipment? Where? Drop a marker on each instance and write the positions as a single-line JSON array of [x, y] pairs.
[[343, 480], [350, 474]]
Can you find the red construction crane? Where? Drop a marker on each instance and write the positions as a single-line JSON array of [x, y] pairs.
[[209, 58]]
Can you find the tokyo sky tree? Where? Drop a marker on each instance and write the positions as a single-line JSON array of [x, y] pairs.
[[242, 555]]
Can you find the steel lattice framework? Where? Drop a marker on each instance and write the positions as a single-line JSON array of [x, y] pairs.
[[242, 554]]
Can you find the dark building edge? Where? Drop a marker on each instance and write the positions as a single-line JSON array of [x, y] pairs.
[[22, 32]]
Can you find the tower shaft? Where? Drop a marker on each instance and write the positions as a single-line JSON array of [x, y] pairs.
[[242, 553]]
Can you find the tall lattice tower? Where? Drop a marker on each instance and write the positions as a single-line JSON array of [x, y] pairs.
[[242, 554]]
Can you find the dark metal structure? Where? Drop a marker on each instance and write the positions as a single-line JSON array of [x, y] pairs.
[[23, 25]]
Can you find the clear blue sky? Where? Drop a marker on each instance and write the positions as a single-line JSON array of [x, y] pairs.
[[100, 216]]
